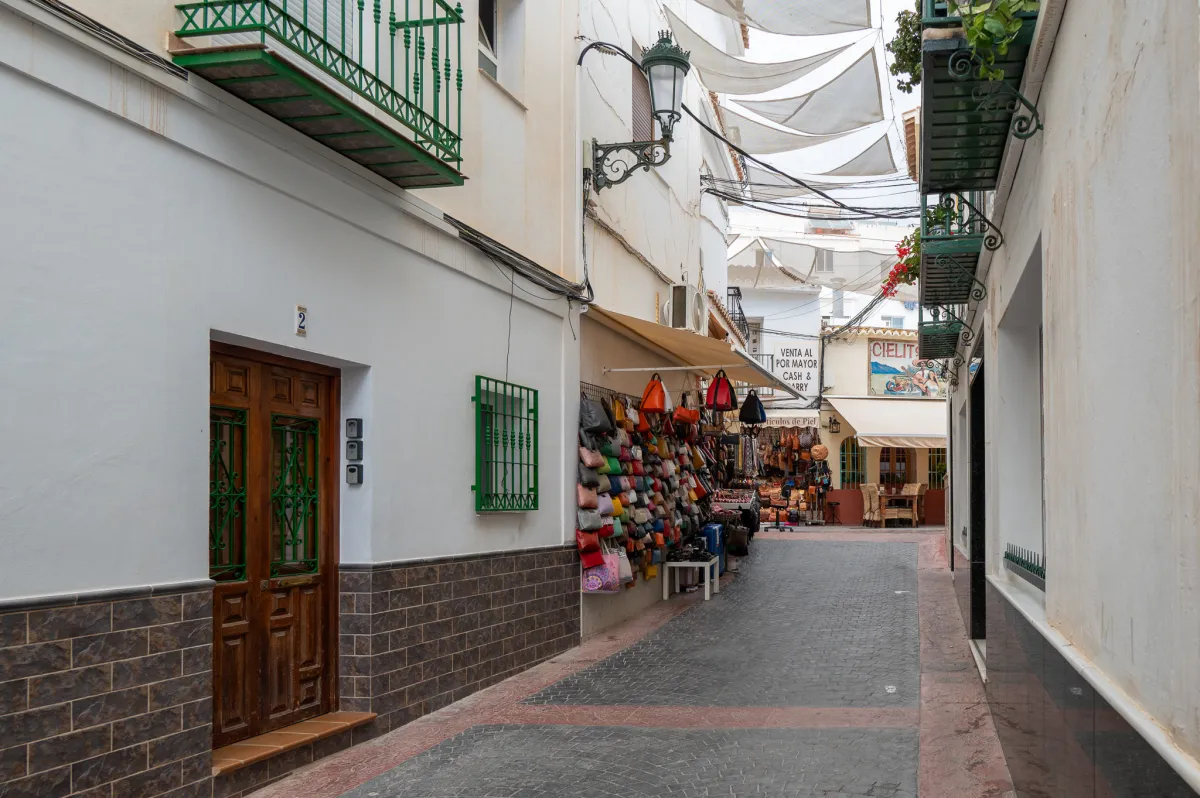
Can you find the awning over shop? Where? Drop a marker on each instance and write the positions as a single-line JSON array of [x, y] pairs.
[[699, 353], [910, 423]]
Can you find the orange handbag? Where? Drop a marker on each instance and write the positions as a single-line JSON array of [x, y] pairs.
[[684, 414], [654, 398]]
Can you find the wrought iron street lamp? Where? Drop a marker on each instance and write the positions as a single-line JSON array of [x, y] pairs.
[[835, 426], [666, 66]]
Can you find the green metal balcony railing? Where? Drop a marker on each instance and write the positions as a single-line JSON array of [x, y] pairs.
[[954, 231], [966, 119], [310, 63], [941, 331]]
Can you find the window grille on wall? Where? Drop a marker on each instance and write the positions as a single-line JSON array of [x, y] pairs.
[[506, 446], [854, 464], [937, 469], [227, 494]]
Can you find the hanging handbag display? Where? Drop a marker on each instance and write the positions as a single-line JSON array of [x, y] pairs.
[[588, 477], [593, 417], [721, 396], [586, 540], [590, 458], [806, 438], [589, 520], [605, 577], [752, 411], [624, 569], [585, 497], [654, 397], [684, 414]]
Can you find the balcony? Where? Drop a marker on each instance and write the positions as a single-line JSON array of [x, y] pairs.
[[733, 303], [965, 119], [954, 232], [379, 85], [767, 361], [938, 335]]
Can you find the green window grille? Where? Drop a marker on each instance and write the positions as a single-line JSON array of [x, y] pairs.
[[295, 495], [937, 469], [506, 447], [854, 464], [227, 494]]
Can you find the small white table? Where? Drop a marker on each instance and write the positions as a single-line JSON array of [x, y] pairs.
[[712, 581]]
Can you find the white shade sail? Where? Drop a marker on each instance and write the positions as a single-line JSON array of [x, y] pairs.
[[908, 423], [874, 161], [797, 17], [759, 139], [727, 74], [850, 101]]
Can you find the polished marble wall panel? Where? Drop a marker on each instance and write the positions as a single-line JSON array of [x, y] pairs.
[[1060, 738]]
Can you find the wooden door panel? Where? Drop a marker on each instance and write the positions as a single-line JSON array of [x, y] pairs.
[[273, 661], [281, 659], [234, 665], [310, 651]]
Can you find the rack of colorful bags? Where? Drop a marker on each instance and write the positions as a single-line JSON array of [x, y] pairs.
[[644, 485]]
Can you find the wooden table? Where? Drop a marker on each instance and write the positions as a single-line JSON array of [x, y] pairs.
[[712, 581]]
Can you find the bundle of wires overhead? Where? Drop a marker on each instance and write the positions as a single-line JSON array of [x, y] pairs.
[[781, 207], [778, 199]]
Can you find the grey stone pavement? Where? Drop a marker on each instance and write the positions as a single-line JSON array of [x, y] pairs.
[[816, 629], [808, 624], [622, 762]]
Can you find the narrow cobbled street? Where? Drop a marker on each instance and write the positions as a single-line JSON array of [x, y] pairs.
[[833, 664]]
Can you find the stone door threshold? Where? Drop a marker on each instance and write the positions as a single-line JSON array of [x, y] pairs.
[[234, 757]]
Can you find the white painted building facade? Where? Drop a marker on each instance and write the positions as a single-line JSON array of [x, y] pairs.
[[1050, 456], [151, 218]]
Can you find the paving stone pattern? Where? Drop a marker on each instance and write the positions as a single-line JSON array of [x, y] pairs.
[[622, 762], [807, 624]]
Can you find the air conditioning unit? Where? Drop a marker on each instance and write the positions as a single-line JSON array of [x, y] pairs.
[[686, 309]]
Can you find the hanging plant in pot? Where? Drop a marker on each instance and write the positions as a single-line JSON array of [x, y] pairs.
[[990, 27], [908, 264]]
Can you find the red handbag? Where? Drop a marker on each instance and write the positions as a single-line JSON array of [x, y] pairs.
[[591, 559], [720, 394], [654, 397], [587, 541]]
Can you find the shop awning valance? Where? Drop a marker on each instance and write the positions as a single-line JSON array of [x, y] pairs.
[[883, 421], [784, 417], [698, 351]]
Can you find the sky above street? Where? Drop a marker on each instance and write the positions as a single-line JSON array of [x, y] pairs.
[[766, 47]]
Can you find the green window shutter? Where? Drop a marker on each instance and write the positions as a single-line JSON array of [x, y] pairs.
[[506, 447]]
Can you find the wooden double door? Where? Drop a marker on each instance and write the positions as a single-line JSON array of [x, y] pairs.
[[272, 538]]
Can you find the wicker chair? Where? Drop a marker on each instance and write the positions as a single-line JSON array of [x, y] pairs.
[[871, 513], [906, 512]]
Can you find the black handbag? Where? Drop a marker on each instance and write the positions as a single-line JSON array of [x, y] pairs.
[[752, 411], [593, 418]]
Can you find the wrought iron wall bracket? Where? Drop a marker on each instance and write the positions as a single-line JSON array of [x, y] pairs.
[[996, 95], [963, 276], [613, 164]]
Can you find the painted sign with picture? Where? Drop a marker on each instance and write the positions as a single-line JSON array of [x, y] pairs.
[[896, 370]]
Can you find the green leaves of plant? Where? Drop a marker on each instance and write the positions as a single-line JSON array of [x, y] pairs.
[[906, 50], [991, 28]]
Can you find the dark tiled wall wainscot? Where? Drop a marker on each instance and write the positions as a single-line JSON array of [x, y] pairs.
[[1060, 737], [418, 636], [107, 698]]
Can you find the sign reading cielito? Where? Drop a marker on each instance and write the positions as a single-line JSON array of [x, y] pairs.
[[798, 366]]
